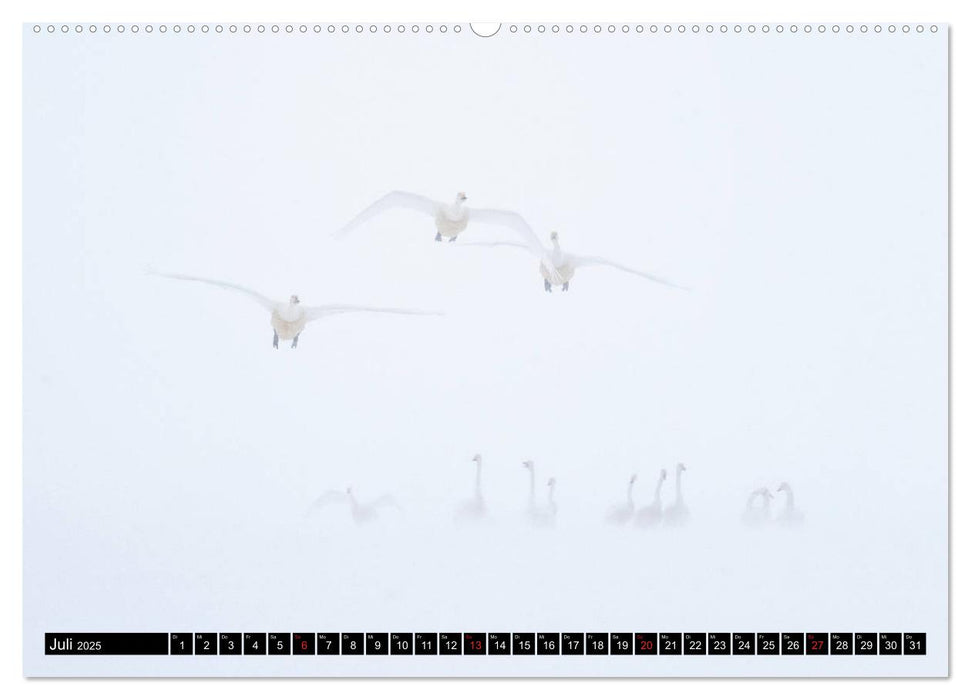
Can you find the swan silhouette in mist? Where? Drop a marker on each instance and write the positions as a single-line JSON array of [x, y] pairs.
[[451, 219], [360, 512], [650, 515], [621, 514], [789, 516], [474, 508], [288, 319], [531, 509], [756, 510], [555, 264], [545, 515], [677, 512]]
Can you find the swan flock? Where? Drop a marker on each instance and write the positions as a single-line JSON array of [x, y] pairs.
[[556, 266], [542, 512]]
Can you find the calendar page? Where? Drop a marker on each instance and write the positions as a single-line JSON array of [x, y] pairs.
[[544, 349]]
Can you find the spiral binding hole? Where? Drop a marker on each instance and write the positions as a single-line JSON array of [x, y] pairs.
[[512, 29]]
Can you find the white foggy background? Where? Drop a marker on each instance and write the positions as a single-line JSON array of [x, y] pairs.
[[797, 185]]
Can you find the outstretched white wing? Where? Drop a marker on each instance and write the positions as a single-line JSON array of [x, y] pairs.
[[263, 301], [312, 313], [498, 244], [513, 221], [584, 260], [392, 200]]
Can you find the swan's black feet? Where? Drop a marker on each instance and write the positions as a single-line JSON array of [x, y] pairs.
[[566, 286], [452, 239], [438, 237], [295, 339], [547, 286], [276, 341]]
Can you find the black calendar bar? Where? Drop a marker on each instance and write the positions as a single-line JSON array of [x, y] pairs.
[[109, 643], [381, 644]]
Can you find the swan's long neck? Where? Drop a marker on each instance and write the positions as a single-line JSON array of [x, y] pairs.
[[751, 499], [630, 494], [549, 496], [455, 210], [677, 486], [657, 489], [478, 478], [532, 487], [790, 500]]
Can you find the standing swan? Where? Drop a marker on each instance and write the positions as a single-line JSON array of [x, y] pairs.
[[531, 505], [545, 516], [677, 512], [360, 512], [556, 265], [757, 515], [290, 318], [474, 508], [789, 515], [650, 515], [621, 514], [450, 219]]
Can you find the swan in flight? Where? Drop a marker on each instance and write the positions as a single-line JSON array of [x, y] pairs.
[[360, 512], [789, 515], [757, 513], [450, 219], [650, 515], [474, 508], [288, 319], [545, 515], [621, 514], [677, 512], [555, 264]]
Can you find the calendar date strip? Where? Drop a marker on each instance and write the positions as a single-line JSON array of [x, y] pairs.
[[487, 644]]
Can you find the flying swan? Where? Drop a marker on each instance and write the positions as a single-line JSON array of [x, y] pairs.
[[450, 219], [290, 318], [555, 264]]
